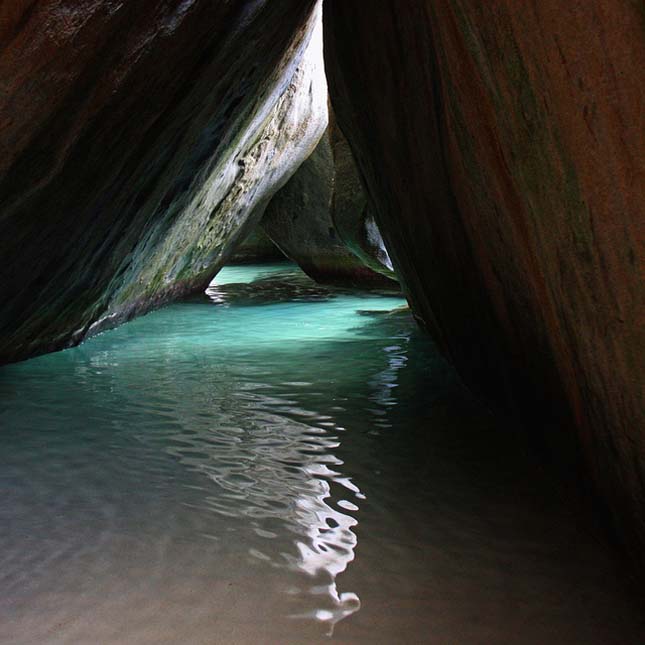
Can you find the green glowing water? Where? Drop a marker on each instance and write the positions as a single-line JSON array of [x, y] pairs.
[[281, 463]]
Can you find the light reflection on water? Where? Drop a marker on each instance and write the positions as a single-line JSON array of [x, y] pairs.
[[274, 472], [330, 541], [280, 463]]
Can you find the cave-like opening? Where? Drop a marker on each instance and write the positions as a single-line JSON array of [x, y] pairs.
[[386, 308]]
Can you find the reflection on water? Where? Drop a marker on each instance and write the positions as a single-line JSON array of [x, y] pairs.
[[281, 476], [279, 462]]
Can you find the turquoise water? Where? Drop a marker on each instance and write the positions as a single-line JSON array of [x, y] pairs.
[[276, 462]]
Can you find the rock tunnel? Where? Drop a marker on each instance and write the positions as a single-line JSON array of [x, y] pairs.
[[486, 157]]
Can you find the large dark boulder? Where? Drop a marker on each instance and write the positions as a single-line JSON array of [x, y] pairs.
[[136, 139], [320, 220], [502, 147], [299, 221]]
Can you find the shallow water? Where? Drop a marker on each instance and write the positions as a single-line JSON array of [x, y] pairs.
[[280, 463]]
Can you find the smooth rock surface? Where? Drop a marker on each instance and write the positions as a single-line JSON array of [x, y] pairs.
[[135, 143], [302, 220], [502, 146]]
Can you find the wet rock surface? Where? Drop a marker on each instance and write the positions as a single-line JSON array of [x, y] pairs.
[[501, 144]]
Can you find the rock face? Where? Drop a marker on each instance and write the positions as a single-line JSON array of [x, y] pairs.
[[135, 143], [319, 220], [502, 146]]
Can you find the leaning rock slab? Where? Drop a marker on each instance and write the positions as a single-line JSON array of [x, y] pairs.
[[134, 145], [502, 147]]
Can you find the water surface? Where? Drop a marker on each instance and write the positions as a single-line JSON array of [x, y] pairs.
[[281, 463]]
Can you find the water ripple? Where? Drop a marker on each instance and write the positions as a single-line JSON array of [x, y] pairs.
[[279, 462]]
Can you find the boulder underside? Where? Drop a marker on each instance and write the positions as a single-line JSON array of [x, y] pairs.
[[319, 220]]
